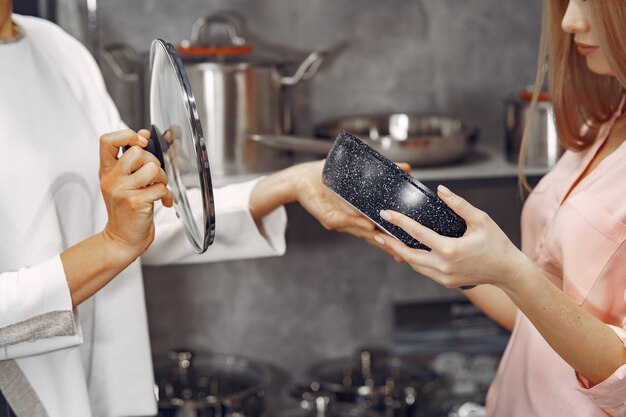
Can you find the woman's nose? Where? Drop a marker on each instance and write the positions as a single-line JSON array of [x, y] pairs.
[[575, 20]]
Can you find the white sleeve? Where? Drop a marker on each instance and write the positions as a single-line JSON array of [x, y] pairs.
[[36, 314], [236, 233]]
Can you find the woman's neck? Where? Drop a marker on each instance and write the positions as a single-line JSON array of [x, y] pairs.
[[7, 30]]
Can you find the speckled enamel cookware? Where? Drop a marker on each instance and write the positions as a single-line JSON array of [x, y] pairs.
[[370, 183]]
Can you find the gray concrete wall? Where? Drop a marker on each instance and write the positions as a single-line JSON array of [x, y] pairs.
[[328, 295], [331, 293]]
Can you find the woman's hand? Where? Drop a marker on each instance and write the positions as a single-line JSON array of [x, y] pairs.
[[332, 212], [484, 255], [302, 183], [130, 185]]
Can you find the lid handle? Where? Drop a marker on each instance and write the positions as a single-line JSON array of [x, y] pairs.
[[120, 67], [203, 22], [321, 406], [182, 357]]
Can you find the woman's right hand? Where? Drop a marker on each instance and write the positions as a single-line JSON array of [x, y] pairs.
[[130, 185]]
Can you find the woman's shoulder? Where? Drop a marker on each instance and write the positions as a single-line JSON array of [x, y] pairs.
[[51, 39], [40, 29]]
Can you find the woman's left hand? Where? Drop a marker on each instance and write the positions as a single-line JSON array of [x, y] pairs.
[[483, 255]]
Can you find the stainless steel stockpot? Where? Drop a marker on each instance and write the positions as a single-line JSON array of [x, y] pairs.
[[543, 148], [240, 92]]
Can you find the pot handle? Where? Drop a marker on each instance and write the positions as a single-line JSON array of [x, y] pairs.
[[307, 69], [203, 22], [129, 59], [294, 143]]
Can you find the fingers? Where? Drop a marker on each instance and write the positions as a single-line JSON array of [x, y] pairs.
[[174, 133], [341, 220], [426, 263], [145, 133], [148, 174], [405, 167], [411, 256], [133, 159], [363, 223], [159, 191], [460, 206], [356, 221], [370, 237], [348, 216], [110, 144], [417, 231]]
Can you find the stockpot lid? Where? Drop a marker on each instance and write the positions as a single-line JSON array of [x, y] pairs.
[[211, 379], [234, 49], [322, 404], [369, 373], [181, 144]]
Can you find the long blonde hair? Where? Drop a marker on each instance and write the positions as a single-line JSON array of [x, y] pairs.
[[579, 97]]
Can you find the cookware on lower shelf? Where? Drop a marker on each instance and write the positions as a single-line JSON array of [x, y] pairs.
[[375, 380], [209, 385], [322, 404]]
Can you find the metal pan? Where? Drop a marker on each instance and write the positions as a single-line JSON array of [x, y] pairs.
[[418, 140]]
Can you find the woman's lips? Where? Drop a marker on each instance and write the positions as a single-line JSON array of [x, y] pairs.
[[585, 50]]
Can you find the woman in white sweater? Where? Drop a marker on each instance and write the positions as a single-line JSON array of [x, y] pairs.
[[74, 340]]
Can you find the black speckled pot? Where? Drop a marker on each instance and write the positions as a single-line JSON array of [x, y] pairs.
[[370, 183]]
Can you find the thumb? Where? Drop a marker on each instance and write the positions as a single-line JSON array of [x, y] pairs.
[[460, 206]]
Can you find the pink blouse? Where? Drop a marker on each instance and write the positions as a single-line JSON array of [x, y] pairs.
[[580, 246]]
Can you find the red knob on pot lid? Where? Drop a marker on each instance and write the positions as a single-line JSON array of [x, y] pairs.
[[178, 132], [528, 95], [200, 51]]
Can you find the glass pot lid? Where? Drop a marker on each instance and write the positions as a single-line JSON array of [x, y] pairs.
[[180, 144]]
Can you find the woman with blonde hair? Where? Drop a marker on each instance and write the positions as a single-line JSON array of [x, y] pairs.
[[563, 294]]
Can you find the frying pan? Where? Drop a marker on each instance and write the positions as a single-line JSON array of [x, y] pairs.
[[419, 140], [369, 182]]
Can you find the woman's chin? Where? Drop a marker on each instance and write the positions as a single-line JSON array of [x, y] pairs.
[[598, 68]]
